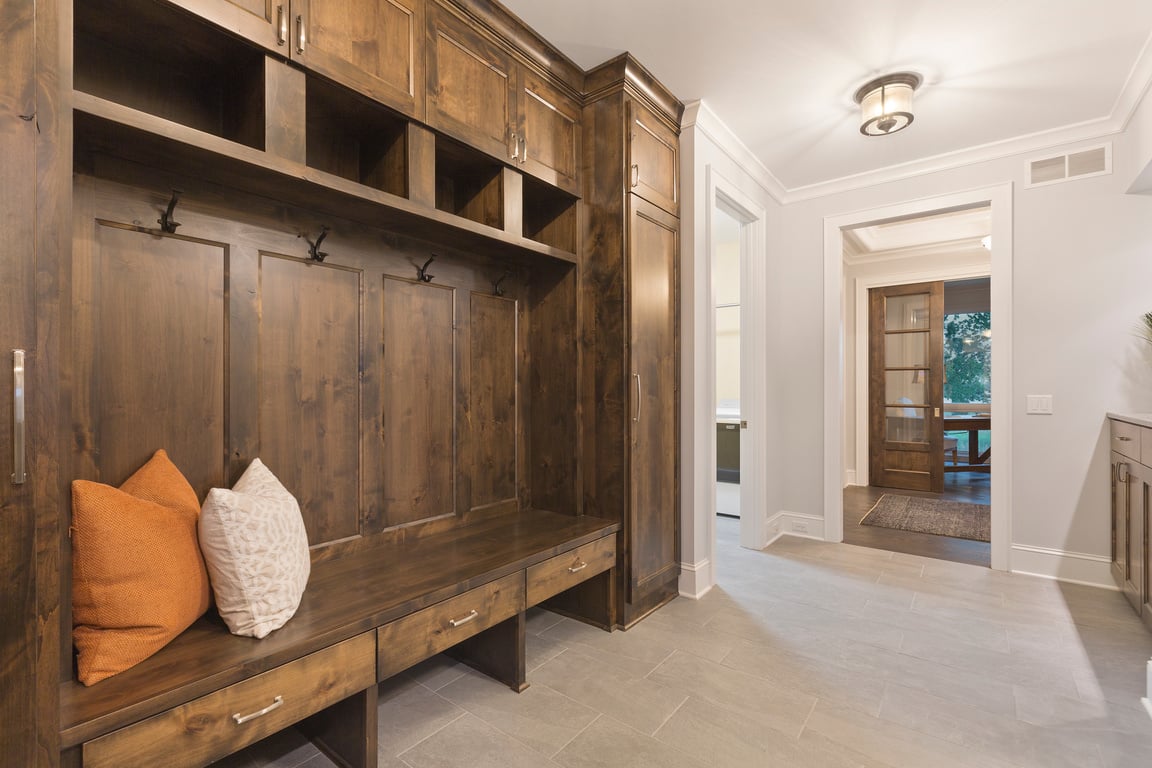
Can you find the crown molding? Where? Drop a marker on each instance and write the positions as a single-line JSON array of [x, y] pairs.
[[699, 115], [854, 257]]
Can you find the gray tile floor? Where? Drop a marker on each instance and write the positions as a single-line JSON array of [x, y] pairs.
[[809, 654]]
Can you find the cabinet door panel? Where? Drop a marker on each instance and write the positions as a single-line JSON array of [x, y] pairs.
[[419, 401], [150, 340], [493, 391], [372, 46], [550, 124], [309, 381], [653, 159], [471, 86], [1121, 481], [653, 393], [261, 21]]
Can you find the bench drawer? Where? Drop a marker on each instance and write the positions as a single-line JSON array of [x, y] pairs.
[[557, 574], [206, 729], [427, 632], [1126, 439]]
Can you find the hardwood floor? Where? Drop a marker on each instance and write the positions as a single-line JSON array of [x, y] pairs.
[[971, 487]]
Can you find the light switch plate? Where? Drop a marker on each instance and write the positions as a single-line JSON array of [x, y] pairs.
[[1039, 404]]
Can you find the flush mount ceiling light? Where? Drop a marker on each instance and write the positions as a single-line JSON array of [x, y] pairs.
[[886, 103]]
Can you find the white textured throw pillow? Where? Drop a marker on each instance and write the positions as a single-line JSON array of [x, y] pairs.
[[256, 550]]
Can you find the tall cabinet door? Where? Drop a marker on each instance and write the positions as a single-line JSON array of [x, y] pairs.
[[17, 513], [373, 46], [653, 529]]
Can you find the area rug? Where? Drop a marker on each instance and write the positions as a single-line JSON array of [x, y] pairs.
[[942, 518]]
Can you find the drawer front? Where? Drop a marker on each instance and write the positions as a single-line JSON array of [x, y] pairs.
[[1126, 439], [424, 634], [206, 729], [557, 574]]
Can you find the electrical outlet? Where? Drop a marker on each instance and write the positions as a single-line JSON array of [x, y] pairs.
[[799, 526]]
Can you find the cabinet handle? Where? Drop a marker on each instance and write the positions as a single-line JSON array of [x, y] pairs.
[[18, 470], [639, 399], [276, 704], [1123, 439], [578, 567], [635, 175], [299, 33], [523, 150], [281, 25], [1122, 472], [460, 622], [514, 152]]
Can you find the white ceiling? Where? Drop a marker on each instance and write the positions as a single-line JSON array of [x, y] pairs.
[[1000, 75]]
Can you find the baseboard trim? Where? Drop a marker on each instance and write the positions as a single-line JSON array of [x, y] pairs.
[[786, 523], [1061, 565], [1147, 706], [849, 477], [696, 579]]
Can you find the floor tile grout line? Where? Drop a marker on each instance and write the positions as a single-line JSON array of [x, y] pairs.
[[565, 745], [808, 717], [671, 715], [463, 713]]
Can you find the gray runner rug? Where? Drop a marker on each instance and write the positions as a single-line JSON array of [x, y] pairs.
[[943, 518]]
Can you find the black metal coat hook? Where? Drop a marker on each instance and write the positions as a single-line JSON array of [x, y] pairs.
[[314, 251], [497, 289], [166, 222], [422, 273]]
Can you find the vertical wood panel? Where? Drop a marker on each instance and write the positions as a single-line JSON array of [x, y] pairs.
[[418, 401], [150, 345], [310, 389], [493, 398]]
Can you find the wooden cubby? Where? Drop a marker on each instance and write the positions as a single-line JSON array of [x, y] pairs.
[[355, 138], [126, 52], [469, 184], [549, 215]]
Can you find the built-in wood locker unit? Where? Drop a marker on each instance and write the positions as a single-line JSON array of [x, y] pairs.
[[293, 231], [631, 328]]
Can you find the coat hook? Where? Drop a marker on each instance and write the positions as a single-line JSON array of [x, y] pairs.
[[166, 222], [422, 273], [314, 251], [497, 289]]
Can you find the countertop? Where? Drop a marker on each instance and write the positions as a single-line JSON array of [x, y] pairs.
[[1141, 419]]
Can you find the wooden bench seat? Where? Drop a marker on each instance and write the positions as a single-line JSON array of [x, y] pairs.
[[348, 597]]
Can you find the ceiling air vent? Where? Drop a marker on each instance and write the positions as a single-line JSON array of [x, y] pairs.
[[1094, 161]]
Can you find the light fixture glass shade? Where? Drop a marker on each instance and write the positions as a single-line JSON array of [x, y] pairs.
[[886, 103]]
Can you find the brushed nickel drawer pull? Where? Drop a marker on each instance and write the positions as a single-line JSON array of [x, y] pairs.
[[635, 175], [299, 34], [281, 25], [460, 622], [19, 473], [578, 567], [1123, 439], [276, 704]]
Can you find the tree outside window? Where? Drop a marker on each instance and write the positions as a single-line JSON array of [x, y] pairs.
[[968, 364]]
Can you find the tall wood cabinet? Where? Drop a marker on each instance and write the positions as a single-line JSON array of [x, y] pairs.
[[1131, 471], [631, 327]]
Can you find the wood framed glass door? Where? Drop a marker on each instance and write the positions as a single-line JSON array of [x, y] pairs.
[[906, 386]]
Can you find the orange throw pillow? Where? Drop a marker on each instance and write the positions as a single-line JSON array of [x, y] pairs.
[[138, 578]]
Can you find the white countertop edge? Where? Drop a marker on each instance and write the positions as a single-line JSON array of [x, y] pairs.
[[1141, 419]]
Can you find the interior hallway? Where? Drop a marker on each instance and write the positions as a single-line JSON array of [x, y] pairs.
[[809, 654]]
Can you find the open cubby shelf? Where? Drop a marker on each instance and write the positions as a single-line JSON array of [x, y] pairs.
[[469, 183], [355, 138], [200, 78], [549, 215]]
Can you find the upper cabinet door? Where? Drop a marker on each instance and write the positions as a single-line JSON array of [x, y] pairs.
[[549, 133], [653, 159], [372, 46], [472, 86], [266, 22]]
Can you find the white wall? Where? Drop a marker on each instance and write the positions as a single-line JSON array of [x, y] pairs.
[[1082, 276], [710, 151]]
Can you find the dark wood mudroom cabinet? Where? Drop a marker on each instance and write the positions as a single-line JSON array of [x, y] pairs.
[[405, 253], [631, 327]]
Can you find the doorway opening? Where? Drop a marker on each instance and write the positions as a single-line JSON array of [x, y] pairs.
[[726, 306], [928, 410]]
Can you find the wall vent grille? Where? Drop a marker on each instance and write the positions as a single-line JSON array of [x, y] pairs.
[[1094, 161]]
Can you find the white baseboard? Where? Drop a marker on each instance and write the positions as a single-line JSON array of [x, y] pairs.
[[849, 477], [696, 579], [1073, 567], [1147, 706], [786, 523]]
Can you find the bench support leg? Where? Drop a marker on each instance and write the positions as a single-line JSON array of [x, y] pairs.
[[346, 731], [497, 652]]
